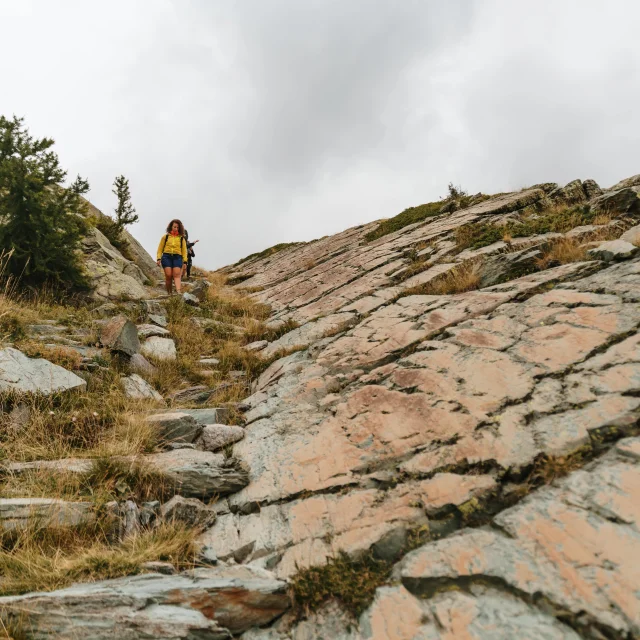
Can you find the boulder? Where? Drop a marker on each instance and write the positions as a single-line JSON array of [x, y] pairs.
[[139, 389], [159, 348], [160, 320], [508, 202], [106, 310], [209, 362], [507, 266], [190, 299], [199, 474], [175, 426], [632, 235], [633, 181], [572, 193], [620, 202], [200, 289], [212, 603], [613, 250], [141, 258], [18, 514], [149, 513], [63, 466], [150, 330], [120, 334], [217, 436], [592, 189], [21, 374], [153, 307], [139, 363], [128, 520], [189, 511]]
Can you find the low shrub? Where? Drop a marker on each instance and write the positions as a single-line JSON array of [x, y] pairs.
[[352, 583]]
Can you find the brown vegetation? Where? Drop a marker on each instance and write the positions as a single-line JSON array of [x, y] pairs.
[[465, 277]]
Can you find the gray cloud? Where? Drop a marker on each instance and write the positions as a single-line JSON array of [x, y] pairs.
[[262, 122]]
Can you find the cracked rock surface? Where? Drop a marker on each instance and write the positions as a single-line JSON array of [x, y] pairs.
[[502, 421]]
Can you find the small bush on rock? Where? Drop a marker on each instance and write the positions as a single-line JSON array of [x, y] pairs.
[[352, 583]]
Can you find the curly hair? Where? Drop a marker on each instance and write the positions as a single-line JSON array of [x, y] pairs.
[[180, 226]]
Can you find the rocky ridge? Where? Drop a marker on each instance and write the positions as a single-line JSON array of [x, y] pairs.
[[427, 412], [459, 405]]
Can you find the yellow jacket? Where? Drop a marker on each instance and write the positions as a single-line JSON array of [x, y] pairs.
[[174, 244]]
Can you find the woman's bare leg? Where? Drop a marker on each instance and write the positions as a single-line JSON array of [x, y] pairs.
[[177, 277], [167, 279]]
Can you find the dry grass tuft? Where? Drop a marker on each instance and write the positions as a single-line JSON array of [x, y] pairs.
[[112, 478], [352, 583], [562, 252], [98, 421], [52, 559], [60, 355], [465, 277]]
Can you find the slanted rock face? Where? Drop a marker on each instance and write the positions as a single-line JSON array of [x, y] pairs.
[[432, 412], [112, 275], [141, 258]]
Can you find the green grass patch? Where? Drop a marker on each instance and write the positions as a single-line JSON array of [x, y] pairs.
[[407, 217], [555, 220], [352, 583], [268, 252]]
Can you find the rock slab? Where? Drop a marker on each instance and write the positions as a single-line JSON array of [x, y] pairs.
[[614, 250], [159, 348], [150, 330], [21, 374], [20, 513], [175, 426], [199, 474], [217, 436], [190, 511], [211, 603], [139, 389]]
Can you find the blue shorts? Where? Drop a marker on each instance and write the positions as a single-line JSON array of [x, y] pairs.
[[173, 260]]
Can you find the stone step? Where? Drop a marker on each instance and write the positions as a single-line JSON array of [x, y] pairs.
[[213, 603]]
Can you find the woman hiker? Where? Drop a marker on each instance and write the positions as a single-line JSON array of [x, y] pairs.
[[172, 254]]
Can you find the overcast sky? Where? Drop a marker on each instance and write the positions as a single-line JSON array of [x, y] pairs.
[[266, 121]]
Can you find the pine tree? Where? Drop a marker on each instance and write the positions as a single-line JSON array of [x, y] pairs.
[[42, 221], [125, 213]]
